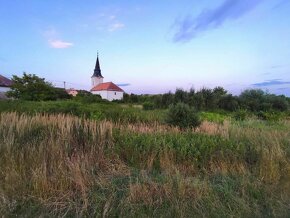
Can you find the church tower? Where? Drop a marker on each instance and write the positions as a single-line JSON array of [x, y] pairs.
[[97, 77]]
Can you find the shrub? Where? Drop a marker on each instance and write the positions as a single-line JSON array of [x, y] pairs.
[[183, 116], [87, 97], [269, 116], [148, 106], [240, 115]]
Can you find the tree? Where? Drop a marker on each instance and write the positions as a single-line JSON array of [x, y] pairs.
[[183, 116], [228, 102], [180, 96], [32, 88]]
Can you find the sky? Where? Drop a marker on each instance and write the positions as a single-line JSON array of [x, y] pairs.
[[150, 46]]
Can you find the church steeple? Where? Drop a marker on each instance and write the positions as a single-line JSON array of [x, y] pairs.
[[97, 71], [97, 77]]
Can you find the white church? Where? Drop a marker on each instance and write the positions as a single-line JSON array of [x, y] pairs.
[[107, 90]]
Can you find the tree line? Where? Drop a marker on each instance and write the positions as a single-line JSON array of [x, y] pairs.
[[218, 98], [32, 88]]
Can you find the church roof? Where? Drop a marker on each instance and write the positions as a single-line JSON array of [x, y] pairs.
[[109, 86], [5, 82], [97, 71]]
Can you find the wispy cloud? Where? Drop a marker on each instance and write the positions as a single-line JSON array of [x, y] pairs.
[[53, 38], [190, 27], [116, 26], [276, 66], [59, 44], [124, 84], [272, 82], [283, 88], [105, 22]]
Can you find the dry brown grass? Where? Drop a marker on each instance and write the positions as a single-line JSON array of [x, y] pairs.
[[57, 163], [60, 161]]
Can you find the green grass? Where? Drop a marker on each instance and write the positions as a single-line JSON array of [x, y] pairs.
[[98, 111]]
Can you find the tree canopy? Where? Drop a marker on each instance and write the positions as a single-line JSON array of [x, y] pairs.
[[33, 88]]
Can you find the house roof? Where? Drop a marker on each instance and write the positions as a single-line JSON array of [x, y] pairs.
[[5, 82], [109, 86]]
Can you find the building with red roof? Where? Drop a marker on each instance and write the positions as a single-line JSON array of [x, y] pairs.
[[72, 92], [107, 90]]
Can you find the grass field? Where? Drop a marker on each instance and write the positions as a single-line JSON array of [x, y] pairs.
[[62, 165]]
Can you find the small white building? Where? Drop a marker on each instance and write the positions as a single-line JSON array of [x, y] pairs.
[[5, 84], [108, 90]]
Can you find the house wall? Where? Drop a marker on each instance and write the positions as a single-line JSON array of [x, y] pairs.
[[73, 93], [112, 95], [109, 95], [4, 89]]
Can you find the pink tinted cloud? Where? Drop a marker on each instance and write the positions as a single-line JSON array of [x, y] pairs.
[[60, 44]]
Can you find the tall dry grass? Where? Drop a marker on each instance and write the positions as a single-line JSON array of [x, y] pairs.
[[54, 159], [60, 165]]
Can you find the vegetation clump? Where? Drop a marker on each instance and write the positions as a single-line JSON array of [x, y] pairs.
[[183, 116], [148, 105]]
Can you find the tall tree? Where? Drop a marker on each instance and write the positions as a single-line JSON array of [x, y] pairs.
[[33, 88]]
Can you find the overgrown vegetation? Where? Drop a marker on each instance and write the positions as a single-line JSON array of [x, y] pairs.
[[61, 165]]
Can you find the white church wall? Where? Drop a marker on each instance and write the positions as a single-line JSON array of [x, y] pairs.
[[109, 95], [103, 94], [113, 95]]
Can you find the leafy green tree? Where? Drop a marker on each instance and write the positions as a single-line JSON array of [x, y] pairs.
[[183, 116], [228, 102], [180, 96], [219, 91], [167, 99], [280, 103], [32, 88], [252, 99]]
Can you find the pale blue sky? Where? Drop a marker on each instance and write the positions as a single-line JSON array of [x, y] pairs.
[[155, 46]]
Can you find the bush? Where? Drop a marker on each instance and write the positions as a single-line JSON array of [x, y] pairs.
[[148, 106], [240, 115], [183, 116], [269, 116]]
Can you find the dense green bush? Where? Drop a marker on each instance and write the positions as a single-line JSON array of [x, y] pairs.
[[148, 106], [183, 116], [269, 116], [88, 98], [240, 115]]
